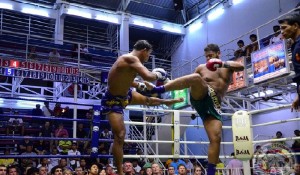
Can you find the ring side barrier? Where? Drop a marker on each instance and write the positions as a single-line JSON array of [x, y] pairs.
[[276, 140], [269, 109], [276, 122], [37, 100], [48, 118]]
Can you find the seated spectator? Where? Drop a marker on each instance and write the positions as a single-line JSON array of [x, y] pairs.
[[128, 168], [37, 111], [32, 56], [296, 169], [44, 162], [241, 50], [81, 133], [90, 114], [197, 170], [14, 170], [61, 131], [156, 170], [14, 124], [85, 53], [57, 170], [106, 134], [43, 170], [46, 109], [79, 171], [176, 163], [74, 162], [109, 170], [41, 148], [279, 136], [277, 35], [29, 162], [64, 164], [253, 46], [83, 165], [7, 161], [54, 56], [136, 166], [189, 166], [181, 170], [3, 169], [64, 145], [23, 145], [54, 161], [46, 131], [171, 170], [93, 169]]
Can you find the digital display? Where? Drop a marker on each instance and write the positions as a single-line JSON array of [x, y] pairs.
[[184, 93], [239, 79], [270, 62]]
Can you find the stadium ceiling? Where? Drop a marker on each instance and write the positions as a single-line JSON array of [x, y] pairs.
[[155, 9]]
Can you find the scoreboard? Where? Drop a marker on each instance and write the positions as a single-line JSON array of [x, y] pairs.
[[25, 69]]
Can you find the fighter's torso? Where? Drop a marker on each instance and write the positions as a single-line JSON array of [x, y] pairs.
[[120, 77], [219, 80]]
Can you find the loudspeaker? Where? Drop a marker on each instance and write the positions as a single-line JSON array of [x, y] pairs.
[[178, 5]]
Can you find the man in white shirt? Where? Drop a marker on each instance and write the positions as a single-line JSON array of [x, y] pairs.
[[46, 109], [74, 162], [277, 35], [136, 166]]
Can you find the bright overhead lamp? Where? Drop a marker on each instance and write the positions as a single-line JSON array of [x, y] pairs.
[[143, 23], [107, 18], [172, 29], [80, 13], [234, 2], [214, 14], [195, 26], [35, 11], [6, 6]]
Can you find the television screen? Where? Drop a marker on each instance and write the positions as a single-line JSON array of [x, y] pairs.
[[239, 79], [184, 93], [270, 62]]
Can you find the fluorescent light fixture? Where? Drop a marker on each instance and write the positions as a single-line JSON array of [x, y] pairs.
[[143, 23], [81, 13], [108, 18], [34, 11], [6, 6], [262, 94], [172, 29], [195, 26], [214, 14], [234, 2]]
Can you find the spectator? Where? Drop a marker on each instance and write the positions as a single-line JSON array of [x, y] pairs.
[[220, 168], [83, 165], [197, 170], [3, 169], [37, 111], [81, 133], [189, 166], [43, 170], [29, 162], [67, 172], [93, 169], [148, 171], [296, 145], [66, 112], [44, 162], [57, 110], [13, 170], [54, 56], [61, 131], [241, 50], [75, 50], [171, 170], [128, 168], [253, 46], [182, 170], [46, 109], [23, 145], [149, 163], [53, 161], [155, 169], [41, 148], [64, 164], [57, 170], [296, 169], [90, 114], [279, 136], [64, 145], [176, 163], [258, 150], [102, 172], [106, 134], [46, 131], [235, 166], [136, 166], [79, 171], [74, 162], [14, 124], [32, 56], [85, 53], [7, 161], [109, 170], [277, 35]]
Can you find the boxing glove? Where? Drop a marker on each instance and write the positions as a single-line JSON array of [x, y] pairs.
[[213, 64], [161, 74]]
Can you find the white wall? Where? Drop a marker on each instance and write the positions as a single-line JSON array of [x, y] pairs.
[[236, 21]]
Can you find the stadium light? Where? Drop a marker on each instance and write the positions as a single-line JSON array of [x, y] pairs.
[[76, 12], [35, 11], [6, 6]]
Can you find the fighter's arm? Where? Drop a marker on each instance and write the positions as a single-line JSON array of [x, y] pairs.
[[213, 64], [136, 64]]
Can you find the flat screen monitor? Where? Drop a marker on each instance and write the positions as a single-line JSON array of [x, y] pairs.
[[184, 93], [239, 79], [270, 62]]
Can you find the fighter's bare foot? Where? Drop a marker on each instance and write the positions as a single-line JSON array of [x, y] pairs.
[[149, 85], [173, 101]]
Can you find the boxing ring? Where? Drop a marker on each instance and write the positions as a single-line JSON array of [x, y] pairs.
[[148, 146]]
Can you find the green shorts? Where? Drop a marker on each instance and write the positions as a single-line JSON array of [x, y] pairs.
[[209, 106]]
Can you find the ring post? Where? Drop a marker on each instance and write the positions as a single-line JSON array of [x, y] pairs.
[[96, 131], [176, 134]]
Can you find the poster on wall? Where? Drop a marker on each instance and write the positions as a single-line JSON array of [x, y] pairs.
[[239, 79], [270, 62]]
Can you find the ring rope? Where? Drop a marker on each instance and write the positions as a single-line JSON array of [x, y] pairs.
[[276, 122]]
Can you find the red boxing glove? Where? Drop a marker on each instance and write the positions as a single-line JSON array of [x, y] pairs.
[[213, 64]]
